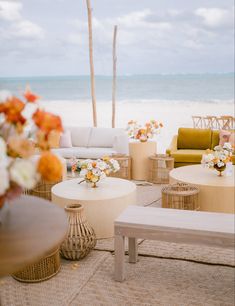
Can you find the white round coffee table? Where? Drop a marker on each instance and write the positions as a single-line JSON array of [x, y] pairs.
[[217, 194], [102, 205]]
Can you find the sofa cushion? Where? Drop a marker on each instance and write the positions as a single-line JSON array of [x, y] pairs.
[[65, 152], [65, 139], [214, 139], [103, 137], [95, 153], [82, 152], [224, 136], [188, 156], [80, 136], [190, 138]]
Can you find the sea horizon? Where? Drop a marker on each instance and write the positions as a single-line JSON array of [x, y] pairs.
[[183, 87]]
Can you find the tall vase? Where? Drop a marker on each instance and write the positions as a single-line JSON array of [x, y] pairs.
[[81, 237]]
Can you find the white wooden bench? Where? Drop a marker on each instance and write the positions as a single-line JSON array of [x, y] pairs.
[[172, 225]]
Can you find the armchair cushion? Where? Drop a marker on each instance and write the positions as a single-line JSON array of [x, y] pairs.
[[190, 138], [214, 139], [188, 156]]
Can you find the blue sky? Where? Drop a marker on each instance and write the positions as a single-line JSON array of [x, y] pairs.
[[43, 37]]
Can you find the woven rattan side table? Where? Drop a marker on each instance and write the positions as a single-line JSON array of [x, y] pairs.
[[180, 196], [159, 167], [125, 167]]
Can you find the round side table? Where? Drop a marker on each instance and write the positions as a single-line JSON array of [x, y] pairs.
[[159, 167], [140, 152], [102, 205], [216, 194]]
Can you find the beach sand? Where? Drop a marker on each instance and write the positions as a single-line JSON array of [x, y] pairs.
[[172, 114]]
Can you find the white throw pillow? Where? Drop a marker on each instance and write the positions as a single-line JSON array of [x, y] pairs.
[[65, 139]]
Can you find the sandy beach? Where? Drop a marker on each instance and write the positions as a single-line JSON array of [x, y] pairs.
[[172, 114]]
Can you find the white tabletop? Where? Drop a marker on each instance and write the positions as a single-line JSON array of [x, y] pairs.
[[200, 176], [108, 188]]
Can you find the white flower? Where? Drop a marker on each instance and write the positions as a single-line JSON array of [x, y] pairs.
[[220, 164], [101, 165], [4, 180], [23, 173], [227, 146], [96, 172], [115, 165], [83, 172]]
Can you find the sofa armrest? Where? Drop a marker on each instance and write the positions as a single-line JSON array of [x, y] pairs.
[[173, 145], [121, 144]]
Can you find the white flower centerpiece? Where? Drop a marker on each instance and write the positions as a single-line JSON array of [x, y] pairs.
[[218, 158], [95, 170]]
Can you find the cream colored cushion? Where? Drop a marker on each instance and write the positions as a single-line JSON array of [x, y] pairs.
[[65, 139], [80, 136], [103, 137]]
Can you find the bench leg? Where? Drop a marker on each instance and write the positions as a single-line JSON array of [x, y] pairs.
[[133, 254], [119, 254]]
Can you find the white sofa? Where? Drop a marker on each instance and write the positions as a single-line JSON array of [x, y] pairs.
[[89, 142]]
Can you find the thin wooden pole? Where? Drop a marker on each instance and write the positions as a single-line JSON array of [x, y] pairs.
[[89, 10], [114, 76]]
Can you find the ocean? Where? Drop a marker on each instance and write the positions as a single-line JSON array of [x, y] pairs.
[[138, 88], [170, 99]]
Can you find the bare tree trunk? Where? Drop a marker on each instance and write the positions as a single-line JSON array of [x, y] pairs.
[[114, 76], [89, 10]]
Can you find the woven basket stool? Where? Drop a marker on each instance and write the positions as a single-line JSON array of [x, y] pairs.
[[180, 196], [159, 167], [125, 167], [44, 269], [42, 190]]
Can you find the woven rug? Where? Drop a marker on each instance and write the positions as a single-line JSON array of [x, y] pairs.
[[161, 249], [57, 291], [154, 281]]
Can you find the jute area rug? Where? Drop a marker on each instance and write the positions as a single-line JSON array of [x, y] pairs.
[[166, 274]]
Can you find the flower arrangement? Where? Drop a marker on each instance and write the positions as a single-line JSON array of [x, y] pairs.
[[150, 129], [94, 170], [18, 168], [218, 158]]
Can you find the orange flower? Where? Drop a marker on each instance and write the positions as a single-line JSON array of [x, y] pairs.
[[161, 125], [20, 147], [47, 122], [12, 109], [29, 96], [50, 167]]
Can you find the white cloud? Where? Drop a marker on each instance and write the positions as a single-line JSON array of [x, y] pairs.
[[10, 11], [215, 17], [15, 25], [26, 29]]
